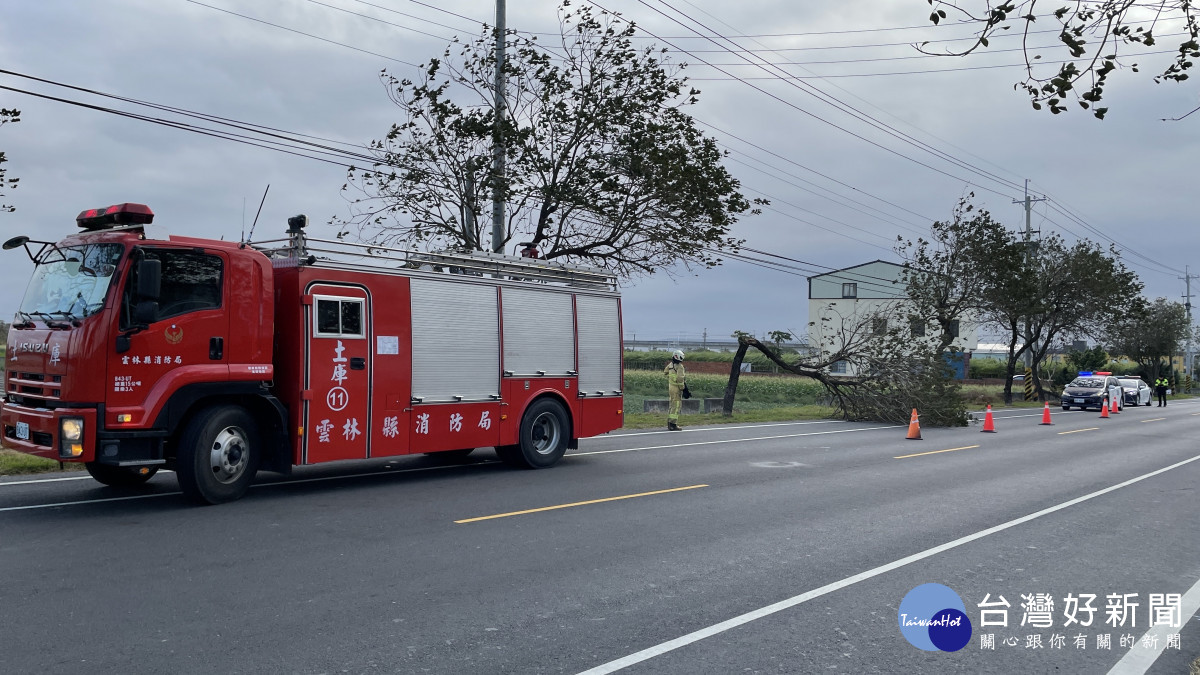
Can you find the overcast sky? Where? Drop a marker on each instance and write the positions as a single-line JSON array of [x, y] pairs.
[[841, 189]]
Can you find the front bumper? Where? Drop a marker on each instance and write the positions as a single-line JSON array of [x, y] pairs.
[[1086, 400], [35, 431]]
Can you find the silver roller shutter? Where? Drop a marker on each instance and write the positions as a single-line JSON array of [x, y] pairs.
[[539, 332], [455, 341], [599, 345]]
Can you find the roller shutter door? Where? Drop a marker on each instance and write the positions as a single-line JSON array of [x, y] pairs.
[[455, 341], [599, 345], [539, 332]]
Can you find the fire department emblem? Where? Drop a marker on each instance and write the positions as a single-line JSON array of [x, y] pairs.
[[173, 334]]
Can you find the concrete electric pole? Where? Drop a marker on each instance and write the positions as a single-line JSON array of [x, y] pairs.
[[1187, 306], [1030, 254], [498, 182]]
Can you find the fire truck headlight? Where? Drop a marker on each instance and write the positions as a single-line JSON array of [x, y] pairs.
[[70, 437]]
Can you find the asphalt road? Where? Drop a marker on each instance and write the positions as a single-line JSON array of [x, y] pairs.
[[771, 548]]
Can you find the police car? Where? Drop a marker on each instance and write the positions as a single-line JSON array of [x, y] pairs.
[[1092, 390], [1137, 392]]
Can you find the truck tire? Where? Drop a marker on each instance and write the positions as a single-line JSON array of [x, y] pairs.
[[219, 453], [545, 430], [121, 476]]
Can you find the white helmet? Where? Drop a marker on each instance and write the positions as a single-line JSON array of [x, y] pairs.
[[677, 354]]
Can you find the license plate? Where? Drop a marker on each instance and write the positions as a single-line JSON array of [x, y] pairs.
[[23, 431], [1080, 400]]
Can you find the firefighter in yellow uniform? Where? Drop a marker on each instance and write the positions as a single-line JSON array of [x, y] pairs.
[[676, 379]]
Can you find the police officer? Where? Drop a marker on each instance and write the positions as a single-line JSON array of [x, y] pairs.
[[1160, 388], [676, 379]]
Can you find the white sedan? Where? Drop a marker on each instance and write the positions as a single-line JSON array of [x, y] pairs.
[[1137, 392]]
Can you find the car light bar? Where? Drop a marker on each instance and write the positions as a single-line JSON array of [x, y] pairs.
[[117, 214]]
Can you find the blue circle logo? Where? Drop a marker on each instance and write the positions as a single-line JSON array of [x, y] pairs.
[[933, 618]]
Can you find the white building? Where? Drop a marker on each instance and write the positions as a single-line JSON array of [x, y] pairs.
[[843, 297]]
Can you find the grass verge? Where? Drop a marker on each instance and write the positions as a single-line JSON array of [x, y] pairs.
[[13, 463]]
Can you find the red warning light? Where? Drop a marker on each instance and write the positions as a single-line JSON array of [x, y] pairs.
[[117, 214]]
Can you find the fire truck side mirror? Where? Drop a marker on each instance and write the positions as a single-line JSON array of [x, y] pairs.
[[149, 280], [149, 288]]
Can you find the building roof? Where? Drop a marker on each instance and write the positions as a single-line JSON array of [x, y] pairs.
[[852, 267], [877, 279]]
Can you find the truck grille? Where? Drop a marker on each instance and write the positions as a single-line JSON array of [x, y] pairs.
[[32, 388]]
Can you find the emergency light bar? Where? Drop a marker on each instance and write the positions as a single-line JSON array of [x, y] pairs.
[[1087, 374], [117, 214]]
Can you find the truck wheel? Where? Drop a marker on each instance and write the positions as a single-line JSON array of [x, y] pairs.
[[120, 476], [218, 455], [545, 429]]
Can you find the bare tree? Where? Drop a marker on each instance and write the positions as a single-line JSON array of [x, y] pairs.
[[1092, 34], [6, 116]]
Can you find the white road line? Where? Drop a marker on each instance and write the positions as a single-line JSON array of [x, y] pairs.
[[32, 507], [729, 440], [1139, 659], [89, 501], [714, 427], [729, 624], [45, 480]]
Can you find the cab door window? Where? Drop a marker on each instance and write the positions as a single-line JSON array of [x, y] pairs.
[[191, 281]]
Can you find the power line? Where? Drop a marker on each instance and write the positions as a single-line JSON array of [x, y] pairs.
[[844, 108], [389, 23], [270, 145], [300, 32], [931, 71]]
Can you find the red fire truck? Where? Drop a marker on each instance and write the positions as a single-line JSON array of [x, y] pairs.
[[134, 350]]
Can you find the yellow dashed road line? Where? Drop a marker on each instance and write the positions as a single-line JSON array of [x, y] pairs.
[[935, 452], [567, 506]]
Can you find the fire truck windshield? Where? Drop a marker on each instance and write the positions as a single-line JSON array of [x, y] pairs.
[[72, 282]]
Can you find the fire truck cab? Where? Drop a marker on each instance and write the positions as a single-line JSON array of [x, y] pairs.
[[133, 351]]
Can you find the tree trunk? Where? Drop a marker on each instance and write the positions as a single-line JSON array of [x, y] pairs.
[[735, 372]]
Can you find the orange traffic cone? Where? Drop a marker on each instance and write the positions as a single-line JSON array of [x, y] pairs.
[[988, 424], [914, 428], [1046, 414], [1115, 408], [1103, 409]]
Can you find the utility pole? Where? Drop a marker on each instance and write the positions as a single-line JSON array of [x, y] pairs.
[[468, 210], [1187, 306], [1030, 254], [498, 181]]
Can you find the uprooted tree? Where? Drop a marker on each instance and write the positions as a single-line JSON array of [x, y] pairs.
[[886, 373]]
